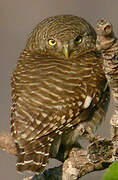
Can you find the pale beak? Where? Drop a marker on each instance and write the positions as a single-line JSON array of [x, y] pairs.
[[66, 51]]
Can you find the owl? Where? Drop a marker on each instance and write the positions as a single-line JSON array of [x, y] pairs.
[[58, 87]]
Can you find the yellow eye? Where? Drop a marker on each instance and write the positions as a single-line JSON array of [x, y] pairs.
[[52, 42], [78, 39]]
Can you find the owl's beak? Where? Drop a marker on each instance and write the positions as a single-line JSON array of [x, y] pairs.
[[66, 51]]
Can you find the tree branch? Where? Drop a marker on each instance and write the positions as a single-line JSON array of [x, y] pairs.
[[81, 162], [98, 156], [7, 143]]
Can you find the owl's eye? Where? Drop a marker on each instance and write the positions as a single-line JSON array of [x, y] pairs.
[[78, 39], [52, 42]]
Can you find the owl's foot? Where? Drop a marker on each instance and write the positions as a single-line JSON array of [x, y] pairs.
[[100, 150]]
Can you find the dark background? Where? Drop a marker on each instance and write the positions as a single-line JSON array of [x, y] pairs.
[[17, 19]]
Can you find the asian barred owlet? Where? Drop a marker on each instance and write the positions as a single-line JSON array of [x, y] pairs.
[[57, 85]]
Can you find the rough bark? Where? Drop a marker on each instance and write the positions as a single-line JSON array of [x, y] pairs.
[[98, 156]]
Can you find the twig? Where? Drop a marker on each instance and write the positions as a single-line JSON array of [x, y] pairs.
[[80, 162], [7, 143]]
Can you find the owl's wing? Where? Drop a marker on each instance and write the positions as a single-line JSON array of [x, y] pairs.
[[65, 94]]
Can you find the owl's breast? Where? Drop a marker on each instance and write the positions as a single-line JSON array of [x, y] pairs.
[[49, 85], [57, 90]]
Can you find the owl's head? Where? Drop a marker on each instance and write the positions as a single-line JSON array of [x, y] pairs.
[[64, 36]]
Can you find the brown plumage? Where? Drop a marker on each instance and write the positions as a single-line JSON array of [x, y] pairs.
[[57, 85]]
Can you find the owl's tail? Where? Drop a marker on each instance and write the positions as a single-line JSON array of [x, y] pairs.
[[34, 157]]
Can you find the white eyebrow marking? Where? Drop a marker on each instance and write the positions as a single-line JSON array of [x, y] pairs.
[[87, 102]]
